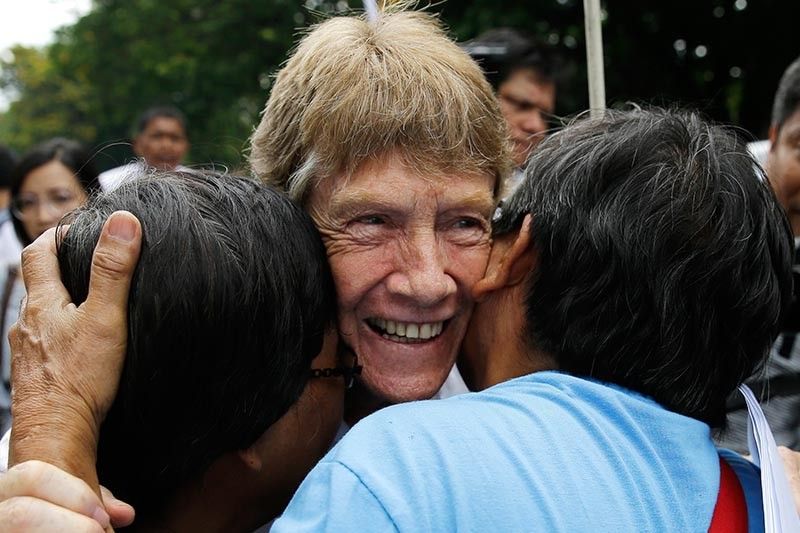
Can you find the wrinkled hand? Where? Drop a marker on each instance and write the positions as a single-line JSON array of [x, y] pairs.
[[38, 497], [67, 360]]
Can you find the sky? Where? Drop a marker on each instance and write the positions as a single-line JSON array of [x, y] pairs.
[[32, 23]]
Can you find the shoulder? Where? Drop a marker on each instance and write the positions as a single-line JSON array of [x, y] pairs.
[[334, 498], [749, 476]]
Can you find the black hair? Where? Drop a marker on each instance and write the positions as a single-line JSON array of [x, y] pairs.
[[8, 160], [228, 305], [69, 153], [155, 112], [787, 97], [664, 259], [503, 51]]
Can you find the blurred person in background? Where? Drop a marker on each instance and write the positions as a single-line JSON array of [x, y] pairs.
[[160, 141], [50, 180], [779, 387], [9, 244], [523, 74], [8, 160]]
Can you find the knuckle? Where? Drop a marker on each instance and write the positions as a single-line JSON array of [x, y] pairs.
[[17, 514], [109, 263], [30, 475], [29, 255]]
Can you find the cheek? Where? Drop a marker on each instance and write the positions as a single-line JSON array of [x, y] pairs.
[[357, 271], [469, 264]]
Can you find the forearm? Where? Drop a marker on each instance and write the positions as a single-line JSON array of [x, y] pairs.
[[57, 434]]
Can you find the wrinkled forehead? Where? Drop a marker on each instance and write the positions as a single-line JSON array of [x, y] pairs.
[[388, 185], [390, 168], [395, 168]]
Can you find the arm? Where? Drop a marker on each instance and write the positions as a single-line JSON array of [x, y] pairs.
[[67, 360], [791, 463]]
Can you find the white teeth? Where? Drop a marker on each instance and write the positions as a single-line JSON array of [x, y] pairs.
[[408, 330], [425, 331]]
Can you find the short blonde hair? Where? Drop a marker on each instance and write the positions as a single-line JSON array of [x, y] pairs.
[[355, 90]]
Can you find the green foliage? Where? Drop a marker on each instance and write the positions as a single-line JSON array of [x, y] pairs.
[[214, 60]]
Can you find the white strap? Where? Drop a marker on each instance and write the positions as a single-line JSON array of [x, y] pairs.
[[780, 513]]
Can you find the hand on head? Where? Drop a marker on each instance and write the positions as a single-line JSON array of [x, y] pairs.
[[66, 359]]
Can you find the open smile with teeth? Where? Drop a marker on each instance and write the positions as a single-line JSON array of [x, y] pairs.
[[406, 332]]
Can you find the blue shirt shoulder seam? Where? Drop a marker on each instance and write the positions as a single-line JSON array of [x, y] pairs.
[[371, 492]]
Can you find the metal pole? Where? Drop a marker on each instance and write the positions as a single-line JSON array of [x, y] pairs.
[[371, 7], [594, 57]]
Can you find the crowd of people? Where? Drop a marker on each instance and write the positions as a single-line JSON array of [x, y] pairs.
[[223, 351]]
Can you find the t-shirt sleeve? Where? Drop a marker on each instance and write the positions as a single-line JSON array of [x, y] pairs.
[[334, 498]]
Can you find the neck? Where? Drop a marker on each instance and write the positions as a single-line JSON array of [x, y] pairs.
[[217, 502], [500, 352], [359, 403]]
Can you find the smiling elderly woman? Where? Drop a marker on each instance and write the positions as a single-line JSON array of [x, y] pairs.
[[390, 136]]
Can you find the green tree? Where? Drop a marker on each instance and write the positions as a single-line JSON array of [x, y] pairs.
[[50, 104], [215, 61]]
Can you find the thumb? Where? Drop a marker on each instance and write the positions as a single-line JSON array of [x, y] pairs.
[[113, 263], [121, 513]]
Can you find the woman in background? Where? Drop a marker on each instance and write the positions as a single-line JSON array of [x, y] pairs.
[[52, 179]]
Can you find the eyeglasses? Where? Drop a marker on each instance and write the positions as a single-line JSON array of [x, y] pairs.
[[57, 202]]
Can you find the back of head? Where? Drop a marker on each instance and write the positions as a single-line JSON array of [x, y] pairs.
[[664, 259], [502, 51], [66, 151], [787, 97], [354, 90], [228, 306]]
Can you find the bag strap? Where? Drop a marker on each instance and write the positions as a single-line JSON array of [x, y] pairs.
[[730, 511]]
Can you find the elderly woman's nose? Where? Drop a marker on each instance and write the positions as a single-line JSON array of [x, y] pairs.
[[422, 276]]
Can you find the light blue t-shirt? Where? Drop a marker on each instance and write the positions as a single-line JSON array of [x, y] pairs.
[[545, 452]]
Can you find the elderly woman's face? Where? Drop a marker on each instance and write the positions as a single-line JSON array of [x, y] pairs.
[[405, 251]]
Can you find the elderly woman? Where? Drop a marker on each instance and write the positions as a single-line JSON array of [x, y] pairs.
[[391, 138]]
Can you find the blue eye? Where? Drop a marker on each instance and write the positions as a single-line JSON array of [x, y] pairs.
[[468, 223]]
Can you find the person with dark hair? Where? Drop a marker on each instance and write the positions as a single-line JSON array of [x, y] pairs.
[[523, 73], [9, 244], [160, 140], [637, 277], [783, 160], [232, 299], [779, 386], [51, 179]]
